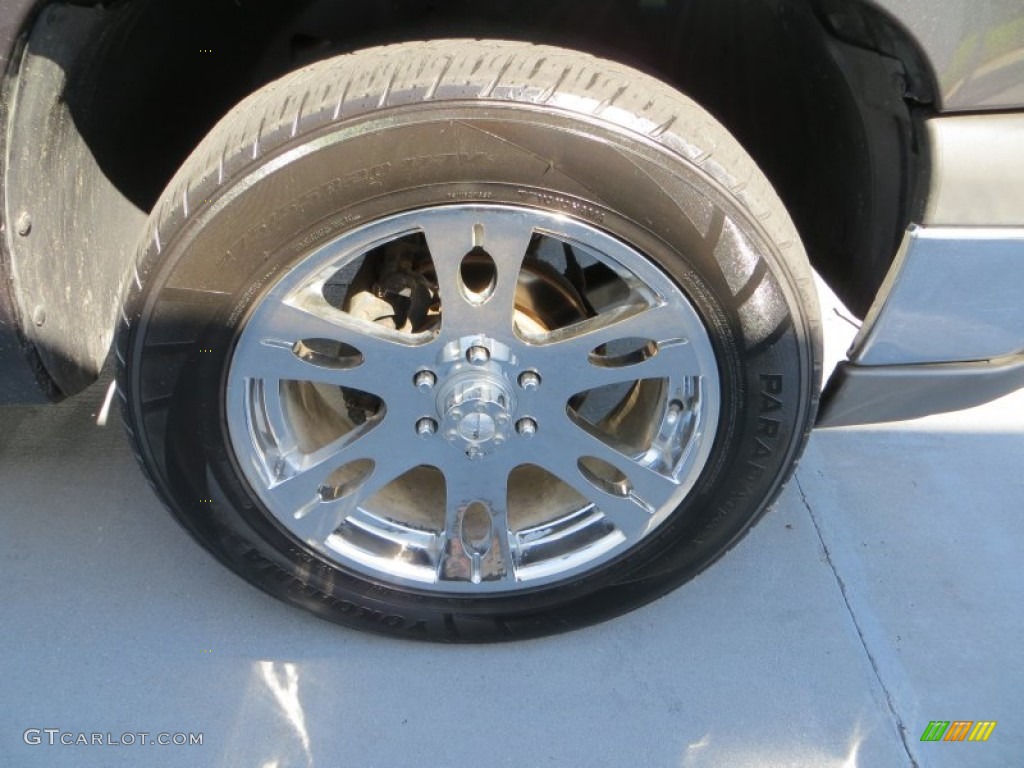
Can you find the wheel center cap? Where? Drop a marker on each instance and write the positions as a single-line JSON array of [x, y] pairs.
[[478, 427], [476, 409]]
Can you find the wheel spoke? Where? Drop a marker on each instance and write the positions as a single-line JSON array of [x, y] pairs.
[[628, 516], [674, 358], [650, 487], [629, 505], [275, 360], [505, 239], [476, 542], [657, 322], [568, 352], [275, 357], [314, 518]]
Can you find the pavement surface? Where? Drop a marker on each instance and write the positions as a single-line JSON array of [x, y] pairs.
[[883, 591]]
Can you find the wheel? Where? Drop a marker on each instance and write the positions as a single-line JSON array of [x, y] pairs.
[[469, 341]]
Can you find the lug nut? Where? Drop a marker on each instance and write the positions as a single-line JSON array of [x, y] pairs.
[[529, 380], [478, 355], [425, 427], [526, 427], [425, 381]]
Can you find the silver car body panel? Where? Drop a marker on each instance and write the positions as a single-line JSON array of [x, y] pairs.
[[947, 328], [977, 171], [954, 295], [867, 394]]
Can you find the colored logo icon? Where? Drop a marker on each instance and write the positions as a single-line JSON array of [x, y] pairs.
[[958, 730]]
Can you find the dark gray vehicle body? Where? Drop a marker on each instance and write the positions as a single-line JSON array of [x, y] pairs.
[[951, 58], [976, 50]]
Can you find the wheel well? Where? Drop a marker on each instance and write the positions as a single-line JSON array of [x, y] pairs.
[[825, 94]]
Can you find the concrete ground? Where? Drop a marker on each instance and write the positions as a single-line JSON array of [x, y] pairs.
[[885, 590]]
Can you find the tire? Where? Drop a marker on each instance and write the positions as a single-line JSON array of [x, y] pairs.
[[358, 223]]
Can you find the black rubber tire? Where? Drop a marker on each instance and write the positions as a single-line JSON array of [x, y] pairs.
[[361, 136]]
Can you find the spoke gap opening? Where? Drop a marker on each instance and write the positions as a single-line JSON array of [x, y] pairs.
[[479, 275]]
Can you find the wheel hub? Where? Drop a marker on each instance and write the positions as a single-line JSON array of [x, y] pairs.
[[476, 409]]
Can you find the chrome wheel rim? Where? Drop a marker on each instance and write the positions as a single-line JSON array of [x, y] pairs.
[[553, 403]]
